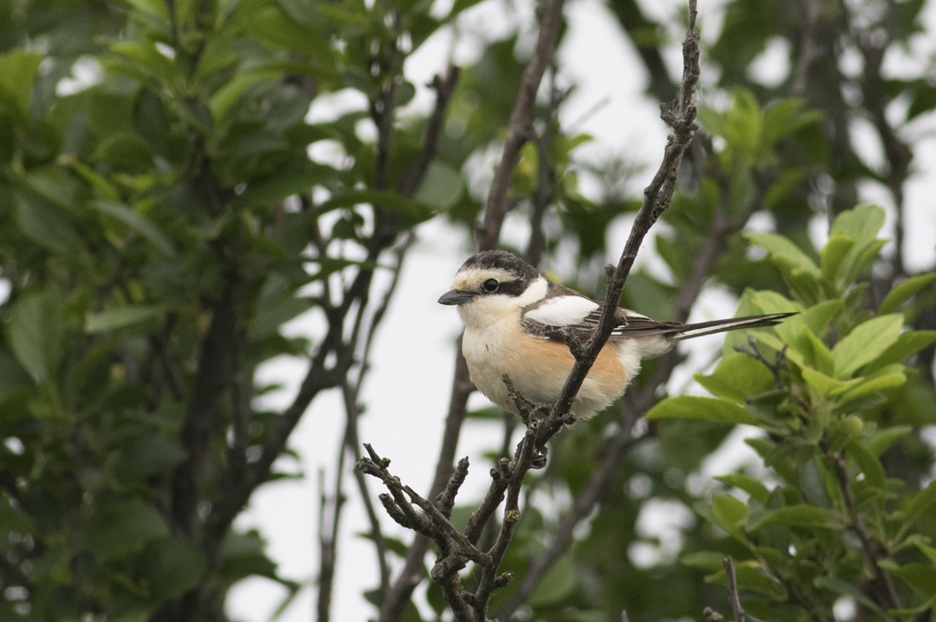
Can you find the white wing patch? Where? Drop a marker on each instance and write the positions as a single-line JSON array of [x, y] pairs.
[[562, 311]]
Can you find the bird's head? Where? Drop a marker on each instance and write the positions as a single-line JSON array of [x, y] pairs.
[[492, 284]]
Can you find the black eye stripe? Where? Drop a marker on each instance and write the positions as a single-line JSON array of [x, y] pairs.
[[511, 288]]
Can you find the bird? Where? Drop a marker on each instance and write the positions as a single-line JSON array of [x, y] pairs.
[[517, 323]]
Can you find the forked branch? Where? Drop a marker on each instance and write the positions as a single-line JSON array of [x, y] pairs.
[[456, 550]]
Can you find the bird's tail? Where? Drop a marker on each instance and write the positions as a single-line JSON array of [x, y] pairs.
[[699, 329]]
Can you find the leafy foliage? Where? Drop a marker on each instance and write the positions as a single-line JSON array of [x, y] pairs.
[[828, 520]]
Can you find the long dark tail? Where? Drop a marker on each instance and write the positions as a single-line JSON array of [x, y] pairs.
[[689, 331]]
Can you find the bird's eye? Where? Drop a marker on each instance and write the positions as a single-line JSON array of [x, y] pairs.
[[490, 285]]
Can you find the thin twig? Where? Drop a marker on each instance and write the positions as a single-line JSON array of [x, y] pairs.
[[434, 520], [398, 595], [733, 597], [444, 87], [581, 508], [329, 519], [809, 49], [680, 115], [884, 592]]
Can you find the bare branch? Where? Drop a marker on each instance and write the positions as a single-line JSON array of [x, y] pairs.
[[680, 115], [213, 376], [733, 597], [396, 597], [329, 519], [581, 508], [508, 478], [520, 127], [444, 87], [446, 499]]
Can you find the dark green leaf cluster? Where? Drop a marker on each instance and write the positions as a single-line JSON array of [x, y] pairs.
[[824, 518], [161, 220]]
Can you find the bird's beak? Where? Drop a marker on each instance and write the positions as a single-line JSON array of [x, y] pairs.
[[455, 297]]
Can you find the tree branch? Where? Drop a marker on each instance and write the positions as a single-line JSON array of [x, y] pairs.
[[680, 115], [508, 478], [884, 592], [518, 131], [733, 597], [212, 376], [520, 127]]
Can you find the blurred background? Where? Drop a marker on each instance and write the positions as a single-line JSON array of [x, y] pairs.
[[225, 228]]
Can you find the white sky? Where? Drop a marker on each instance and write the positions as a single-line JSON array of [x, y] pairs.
[[414, 396]]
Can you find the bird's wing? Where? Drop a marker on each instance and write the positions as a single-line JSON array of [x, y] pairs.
[[564, 310]]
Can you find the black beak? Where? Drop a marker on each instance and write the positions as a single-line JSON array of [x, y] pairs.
[[455, 297]]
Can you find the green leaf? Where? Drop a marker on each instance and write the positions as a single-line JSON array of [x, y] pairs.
[[749, 575], [921, 503], [919, 576], [780, 247], [846, 588], [743, 122], [786, 117], [826, 385], [112, 319], [796, 268], [102, 184], [117, 529], [885, 378], [748, 484], [125, 151], [880, 440], [868, 463], [226, 96], [772, 302], [35, 333], [907, 345], [18, 70], [379, 198], [904, 291], [137, 222], [832, 255], [799, 515], [861, 223], [272, 314], [144, 54], [296, 179], [696, 407], [730, 512], [171, 567], [704, 560], [927, 550], [736, 378], [865, 343], [145, 454], [156, 8], [441, 188], [15, 520], [111, 112], [801, 332], [275, 27], [46, 225], [558, 584]]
